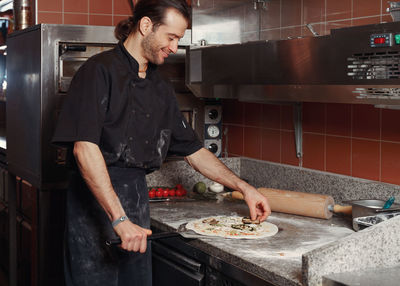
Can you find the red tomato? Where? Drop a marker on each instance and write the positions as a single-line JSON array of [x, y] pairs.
[[171, 192], [184, 192], [159, 193], [178, 193], [152, 193], [179, 187], [165, 193]]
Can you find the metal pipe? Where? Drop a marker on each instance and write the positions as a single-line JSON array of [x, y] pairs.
[[23, 15], [311, 28]]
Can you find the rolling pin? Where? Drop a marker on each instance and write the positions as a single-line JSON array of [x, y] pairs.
[[305, 204]]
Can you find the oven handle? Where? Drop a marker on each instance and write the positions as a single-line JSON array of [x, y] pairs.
[[176, 257]]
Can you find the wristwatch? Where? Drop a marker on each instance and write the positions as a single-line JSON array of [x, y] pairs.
[[119, 220]]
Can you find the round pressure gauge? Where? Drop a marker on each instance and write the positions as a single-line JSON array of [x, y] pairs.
[[213, 131]]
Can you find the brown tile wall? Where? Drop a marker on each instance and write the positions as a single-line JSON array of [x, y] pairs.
[[355, 140], [287, 18], [83, 12], [348, 139]]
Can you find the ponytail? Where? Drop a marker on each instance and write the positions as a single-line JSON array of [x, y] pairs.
[[123, 29]]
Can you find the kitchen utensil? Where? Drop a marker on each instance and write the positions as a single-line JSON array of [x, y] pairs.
[[388, 203], [181, 231], [155, 236], [362, 222], [370, 207], [305, 204]]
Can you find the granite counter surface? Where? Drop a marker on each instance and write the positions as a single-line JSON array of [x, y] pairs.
[[276, 259]]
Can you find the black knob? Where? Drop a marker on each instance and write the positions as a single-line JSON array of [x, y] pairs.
[[213, 114], [213, 148]]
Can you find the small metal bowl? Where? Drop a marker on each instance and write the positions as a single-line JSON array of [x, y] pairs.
[[370, 207]]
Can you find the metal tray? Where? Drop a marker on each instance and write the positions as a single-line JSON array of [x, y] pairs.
[[360, 223], [370, 207]]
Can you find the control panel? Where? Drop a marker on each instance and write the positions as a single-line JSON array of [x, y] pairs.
[[381, 40], [384, 40], [213, 128]]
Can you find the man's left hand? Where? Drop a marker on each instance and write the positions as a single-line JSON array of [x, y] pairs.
[[257, 203], [207, 164]]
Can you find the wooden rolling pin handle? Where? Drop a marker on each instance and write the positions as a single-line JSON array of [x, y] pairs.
[[237, 195], [341, 209]]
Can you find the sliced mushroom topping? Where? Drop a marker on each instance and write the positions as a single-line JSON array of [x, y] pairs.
[[211, 221], [247, 220]]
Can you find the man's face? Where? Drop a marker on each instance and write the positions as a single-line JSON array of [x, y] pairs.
[[162, 41]]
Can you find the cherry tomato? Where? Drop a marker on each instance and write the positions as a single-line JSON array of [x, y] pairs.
[[159, 193], [171, 192], [178, 193], [152, 193], [165, 193]]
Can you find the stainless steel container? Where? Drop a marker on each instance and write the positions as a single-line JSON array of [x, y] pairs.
[[362, 208]]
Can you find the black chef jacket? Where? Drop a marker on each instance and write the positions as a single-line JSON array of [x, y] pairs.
[[134, 121]]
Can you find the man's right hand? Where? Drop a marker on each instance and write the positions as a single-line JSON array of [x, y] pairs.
[[133, 237]]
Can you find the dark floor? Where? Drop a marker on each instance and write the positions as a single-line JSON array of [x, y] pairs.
[[3, 278]]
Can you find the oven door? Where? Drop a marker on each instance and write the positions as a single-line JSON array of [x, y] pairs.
[[173, 268]]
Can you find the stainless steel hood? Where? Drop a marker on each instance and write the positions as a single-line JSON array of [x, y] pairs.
[[352, 65]]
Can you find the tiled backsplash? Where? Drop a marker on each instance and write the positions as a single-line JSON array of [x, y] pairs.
[[83, 12], [288, 18], [355, 140]]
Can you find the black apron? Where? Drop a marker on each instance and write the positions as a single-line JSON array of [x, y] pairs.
[[87, 260]]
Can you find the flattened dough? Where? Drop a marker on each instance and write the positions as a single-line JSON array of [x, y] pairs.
[[224, 229]]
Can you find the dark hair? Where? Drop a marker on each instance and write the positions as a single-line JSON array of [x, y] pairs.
[[155, 10]]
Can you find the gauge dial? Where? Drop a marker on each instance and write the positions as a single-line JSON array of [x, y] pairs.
[[213, 131]]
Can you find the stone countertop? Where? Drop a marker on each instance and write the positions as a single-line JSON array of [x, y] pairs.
[[373, 247], [276, 259], [368, 277]]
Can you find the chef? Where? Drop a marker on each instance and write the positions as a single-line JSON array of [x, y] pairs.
[[121, 119]]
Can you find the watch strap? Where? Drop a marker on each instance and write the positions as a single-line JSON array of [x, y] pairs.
[[119, 220]]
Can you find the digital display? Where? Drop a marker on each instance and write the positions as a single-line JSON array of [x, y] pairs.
[[380, 40]]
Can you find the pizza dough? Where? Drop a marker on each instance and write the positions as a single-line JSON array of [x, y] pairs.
[[222, 226]]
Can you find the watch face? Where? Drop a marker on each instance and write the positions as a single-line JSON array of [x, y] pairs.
[[213, 131]]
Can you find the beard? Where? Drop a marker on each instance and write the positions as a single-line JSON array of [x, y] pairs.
[[152, 50]]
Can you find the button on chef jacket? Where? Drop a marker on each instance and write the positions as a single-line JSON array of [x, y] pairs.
[[135, 122]]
